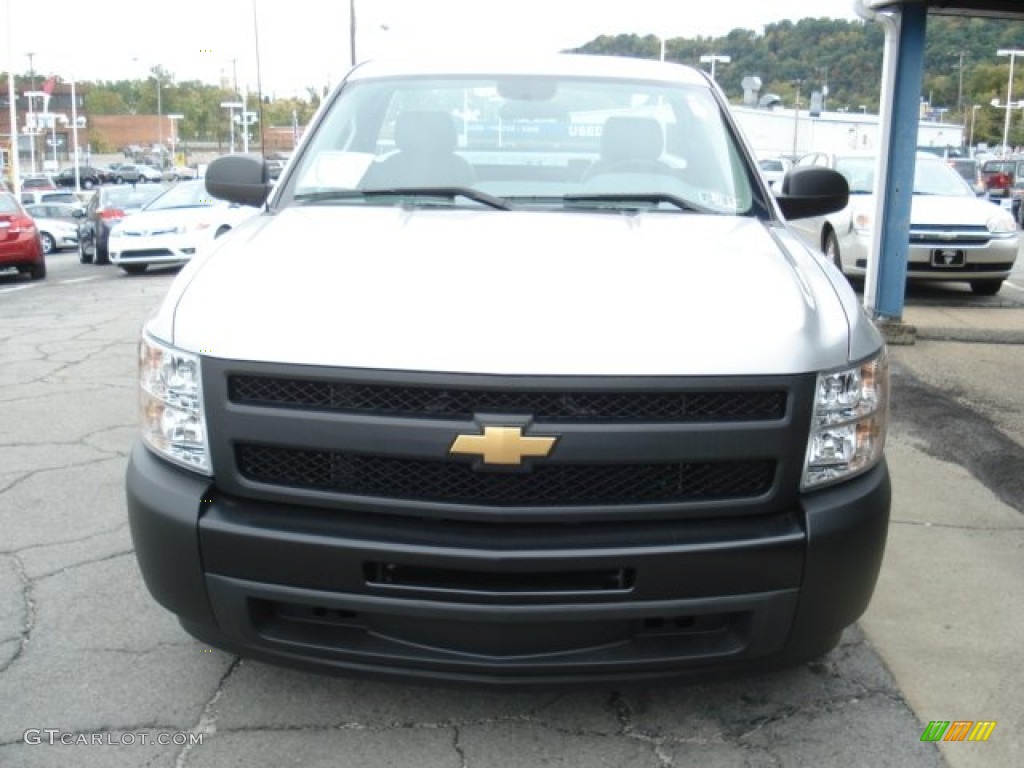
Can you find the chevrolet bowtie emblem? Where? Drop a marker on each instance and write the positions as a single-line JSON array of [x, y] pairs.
[[502, 445]]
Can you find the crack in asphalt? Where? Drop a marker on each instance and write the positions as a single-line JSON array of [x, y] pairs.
[[29, 612], [163, 645], [207, 722], [457, 746], [47, 378], [62, 542], [104, 388], [952, 526], [75, 465]]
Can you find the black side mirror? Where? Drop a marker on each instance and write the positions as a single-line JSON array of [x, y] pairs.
[[242, 179], [812, 191]]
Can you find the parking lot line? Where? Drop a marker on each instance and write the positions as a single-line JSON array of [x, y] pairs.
[[14, 288], [78, 280]]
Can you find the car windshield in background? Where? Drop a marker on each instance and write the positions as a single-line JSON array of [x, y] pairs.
[[187, 194], [129, 198], [931, 177], [532, 141]]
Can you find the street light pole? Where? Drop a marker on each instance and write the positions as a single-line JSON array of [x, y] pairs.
[[1012, 53], [174, 137], [974, 114], [231, 106], [352, 29], [31, 113], [713, 58], [159, 119]]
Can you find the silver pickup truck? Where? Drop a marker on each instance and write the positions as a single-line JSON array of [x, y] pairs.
[[520, 377]]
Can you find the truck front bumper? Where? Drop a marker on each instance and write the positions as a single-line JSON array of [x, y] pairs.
[[459, 601]]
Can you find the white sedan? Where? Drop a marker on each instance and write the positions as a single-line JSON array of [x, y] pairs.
[[954, 234], [173, 227]]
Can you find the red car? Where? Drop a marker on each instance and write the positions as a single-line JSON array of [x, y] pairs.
[[20, 245]]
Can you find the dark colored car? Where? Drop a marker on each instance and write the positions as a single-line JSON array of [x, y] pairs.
[[88, 177], [106, 208], [20, 246]]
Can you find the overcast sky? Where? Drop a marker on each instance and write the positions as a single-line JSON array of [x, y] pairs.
[[306, 42]]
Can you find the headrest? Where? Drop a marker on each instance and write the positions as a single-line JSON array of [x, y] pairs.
[[631, 139], [425, 131]]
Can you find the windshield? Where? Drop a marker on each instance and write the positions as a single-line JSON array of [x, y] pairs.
[[931, 177], [530, 141], [186, 194], [128, 197]]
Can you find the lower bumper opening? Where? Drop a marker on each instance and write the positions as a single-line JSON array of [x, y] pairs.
[[561, 642], [398, 575], [713, 634]]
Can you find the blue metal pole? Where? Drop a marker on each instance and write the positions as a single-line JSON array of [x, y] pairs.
[[898, 181]]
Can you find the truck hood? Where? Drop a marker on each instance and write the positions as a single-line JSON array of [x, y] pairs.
[[510, 292]]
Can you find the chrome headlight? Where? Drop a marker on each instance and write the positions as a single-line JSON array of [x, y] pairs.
[[1001, 223], [171, 405], [195, 226], [849, 422]]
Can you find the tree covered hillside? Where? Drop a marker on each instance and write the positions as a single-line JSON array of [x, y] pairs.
[[961, 65]]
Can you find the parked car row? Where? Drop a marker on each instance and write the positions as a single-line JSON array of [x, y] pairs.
[[136, 227], [89, 177]]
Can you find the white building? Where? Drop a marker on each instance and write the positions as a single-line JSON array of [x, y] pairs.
[[780, 131]]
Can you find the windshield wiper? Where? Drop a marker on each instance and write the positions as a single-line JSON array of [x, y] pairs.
[[446, 192], [651, 198]]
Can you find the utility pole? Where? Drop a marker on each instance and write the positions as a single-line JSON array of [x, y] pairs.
[[1012, 53], [31, 112], [796, 115], [960, 86], [352, 29]]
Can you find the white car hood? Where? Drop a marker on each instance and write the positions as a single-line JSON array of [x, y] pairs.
[[509, 293], [156, 221], [937, 210]]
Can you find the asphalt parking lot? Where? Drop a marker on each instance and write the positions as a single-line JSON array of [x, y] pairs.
[[94, 673]]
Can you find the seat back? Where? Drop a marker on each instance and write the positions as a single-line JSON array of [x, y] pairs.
[[426, 142], [631, 140]]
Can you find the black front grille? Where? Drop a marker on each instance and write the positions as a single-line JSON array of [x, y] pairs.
[[145, 253], [545, 484], [552, 406], [917, 267]]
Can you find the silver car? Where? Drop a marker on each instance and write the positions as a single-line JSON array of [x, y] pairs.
[[954, 234], [57, 224]]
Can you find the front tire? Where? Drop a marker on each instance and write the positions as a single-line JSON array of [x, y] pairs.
[[986, 287], [84, 256], [49, 244], [88, 184], [37, 271], [102, 255]]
